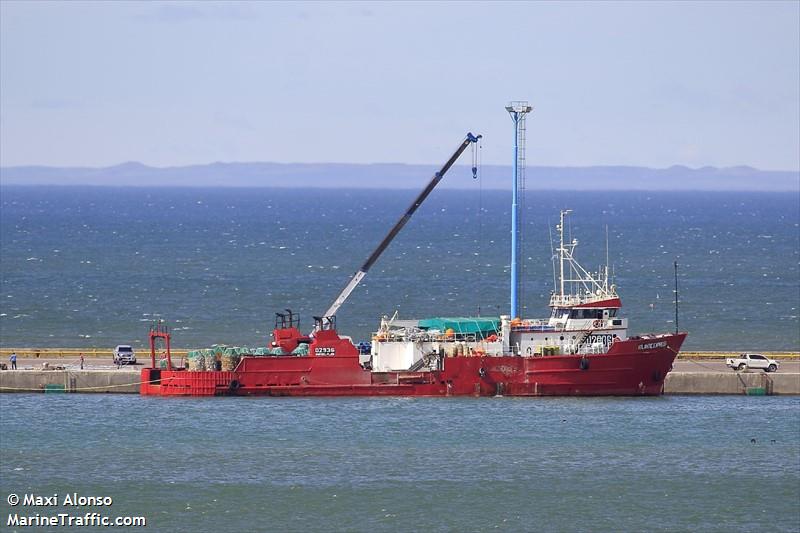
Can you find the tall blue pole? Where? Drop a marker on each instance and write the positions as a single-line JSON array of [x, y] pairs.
[[514, 216]]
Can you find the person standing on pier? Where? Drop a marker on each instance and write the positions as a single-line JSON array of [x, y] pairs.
[[81, 361], [13, 360]]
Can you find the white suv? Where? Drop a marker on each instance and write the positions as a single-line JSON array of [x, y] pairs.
[[753, 360], [123, 354]]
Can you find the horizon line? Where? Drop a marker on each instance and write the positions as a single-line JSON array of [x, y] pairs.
[[384, 189], [145, 165]]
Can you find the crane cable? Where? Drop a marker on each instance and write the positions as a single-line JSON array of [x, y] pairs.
[[477, 174]]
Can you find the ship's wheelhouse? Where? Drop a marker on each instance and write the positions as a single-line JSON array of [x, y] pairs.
[[580, 313]]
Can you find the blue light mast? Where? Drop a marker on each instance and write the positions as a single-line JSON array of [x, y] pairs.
[[517, 110]]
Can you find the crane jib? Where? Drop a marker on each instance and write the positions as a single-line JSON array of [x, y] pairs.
[[437, 177]]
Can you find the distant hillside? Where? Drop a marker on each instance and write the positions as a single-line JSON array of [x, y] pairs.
[[400, 176]]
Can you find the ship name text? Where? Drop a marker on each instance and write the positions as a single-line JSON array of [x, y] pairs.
[[653, 345]]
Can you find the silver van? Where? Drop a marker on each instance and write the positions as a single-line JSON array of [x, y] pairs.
[[123, 355]]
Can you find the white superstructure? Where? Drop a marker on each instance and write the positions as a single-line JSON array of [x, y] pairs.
[[584, 319]]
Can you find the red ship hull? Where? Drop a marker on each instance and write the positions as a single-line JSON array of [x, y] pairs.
[[633, 367]]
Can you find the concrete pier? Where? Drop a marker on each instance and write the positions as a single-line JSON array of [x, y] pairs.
[[127, 380], [758, 383], [88, 381]]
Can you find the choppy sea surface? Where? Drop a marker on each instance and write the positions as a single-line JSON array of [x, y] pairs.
[[85, 267], [672, 463], [92, 266]]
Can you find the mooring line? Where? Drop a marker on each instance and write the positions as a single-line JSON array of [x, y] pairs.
[[79, 389]]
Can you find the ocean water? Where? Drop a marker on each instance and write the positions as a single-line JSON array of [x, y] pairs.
[[84, 267], [705, 464]]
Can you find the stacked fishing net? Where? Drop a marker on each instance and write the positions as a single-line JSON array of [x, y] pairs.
[[227, 358], [205, 359], [232, 355], [213, 356], [196, 360], [266, 352], [302, 349]]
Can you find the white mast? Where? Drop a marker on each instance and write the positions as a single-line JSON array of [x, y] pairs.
[[561, 250], [584, 286]]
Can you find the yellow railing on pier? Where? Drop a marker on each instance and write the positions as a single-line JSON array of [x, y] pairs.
[[724, 355], [49, 353]]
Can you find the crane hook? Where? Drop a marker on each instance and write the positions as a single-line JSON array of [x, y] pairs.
[[475, 148]]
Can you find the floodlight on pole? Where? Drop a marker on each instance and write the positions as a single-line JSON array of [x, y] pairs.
[[517, 110]]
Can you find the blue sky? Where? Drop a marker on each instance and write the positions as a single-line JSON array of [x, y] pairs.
[[632, 83]]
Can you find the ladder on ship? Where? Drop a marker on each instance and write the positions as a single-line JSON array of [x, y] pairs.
[[427, 361], [582, 341], [521, 137]]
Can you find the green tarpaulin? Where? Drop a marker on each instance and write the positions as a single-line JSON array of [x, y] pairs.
[[465, 325]]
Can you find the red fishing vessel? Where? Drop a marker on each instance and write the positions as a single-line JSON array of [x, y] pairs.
[[582, 349]]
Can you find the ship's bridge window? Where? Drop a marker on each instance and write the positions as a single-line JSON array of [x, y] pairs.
[[591, 314], [586, 314]]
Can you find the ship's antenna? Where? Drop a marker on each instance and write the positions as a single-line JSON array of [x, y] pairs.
[[573, 285], [562, 251], [606, 276], [552, 253], [561, 254], [676, 297]]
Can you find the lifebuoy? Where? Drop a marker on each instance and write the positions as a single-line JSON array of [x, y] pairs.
[[597, 323]]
